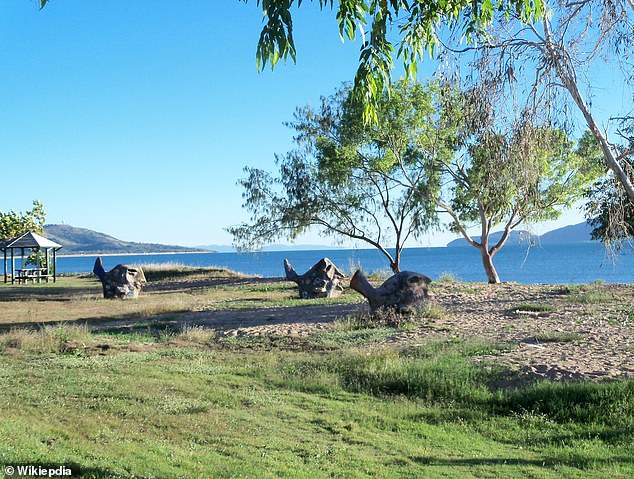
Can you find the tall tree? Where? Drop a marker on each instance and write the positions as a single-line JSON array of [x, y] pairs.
[[14, 224], [508, 178], [559, 40], [561, 54], [349, 180]]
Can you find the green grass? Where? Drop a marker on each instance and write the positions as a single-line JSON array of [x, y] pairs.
[[424, 412], [345, 336], [447, 278], [390, 318], [592, 297], [339, 403], [595, 293]]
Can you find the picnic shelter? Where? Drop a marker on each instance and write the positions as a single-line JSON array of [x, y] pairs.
[[45, 258]]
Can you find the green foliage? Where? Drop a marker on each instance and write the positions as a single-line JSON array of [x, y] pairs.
[[14, 224], [350, 333], [610, 212], [595, 293], [418, 23], [510, 171], [527, 175], [351, 180], [390, 318], [447, 278]]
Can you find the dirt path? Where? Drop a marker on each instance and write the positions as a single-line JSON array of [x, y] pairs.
[[581, 334], [585, 336]]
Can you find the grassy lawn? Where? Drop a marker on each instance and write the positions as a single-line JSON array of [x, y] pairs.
[[217, 413], [190, 404]]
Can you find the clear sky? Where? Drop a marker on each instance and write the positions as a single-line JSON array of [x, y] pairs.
[[135, 118]]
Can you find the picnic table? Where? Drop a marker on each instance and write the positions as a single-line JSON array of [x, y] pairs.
[[23, 275]]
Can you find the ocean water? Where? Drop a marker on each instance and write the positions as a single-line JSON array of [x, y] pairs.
[[553, 264]]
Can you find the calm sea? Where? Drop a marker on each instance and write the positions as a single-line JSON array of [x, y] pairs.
[[561, 263]]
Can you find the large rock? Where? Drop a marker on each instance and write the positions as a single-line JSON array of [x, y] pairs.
[[405, 291], [122, 281], [324, 280]]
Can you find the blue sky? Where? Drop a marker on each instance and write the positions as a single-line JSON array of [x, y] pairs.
[[135, 118]]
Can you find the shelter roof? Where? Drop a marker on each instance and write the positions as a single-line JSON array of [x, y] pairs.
[[30, 240]]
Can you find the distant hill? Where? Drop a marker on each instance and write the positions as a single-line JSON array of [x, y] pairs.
[[84, 241], [579, 233]]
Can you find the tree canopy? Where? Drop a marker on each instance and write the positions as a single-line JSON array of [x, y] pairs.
[[506, 178], [350, 180], [433, 149], [389, 29], [14, 224], [554, 64]]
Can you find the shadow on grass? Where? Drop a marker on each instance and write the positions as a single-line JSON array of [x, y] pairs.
[[46, 293], [577, 461]]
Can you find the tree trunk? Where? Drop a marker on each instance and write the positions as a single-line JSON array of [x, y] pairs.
[[394, 265], [566, 73], [489, 269]]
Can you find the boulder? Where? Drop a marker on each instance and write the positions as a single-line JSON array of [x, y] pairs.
[[405, 292], [323, 280], [122, 281]]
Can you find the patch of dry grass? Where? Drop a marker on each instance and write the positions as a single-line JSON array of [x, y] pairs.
[[392, 318], [47, 339], [177, 272], [196, 334]]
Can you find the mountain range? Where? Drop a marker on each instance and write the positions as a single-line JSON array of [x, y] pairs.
[[84, 241], [579, 233]]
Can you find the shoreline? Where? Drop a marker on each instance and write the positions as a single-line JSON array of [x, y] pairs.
[[81, 255]]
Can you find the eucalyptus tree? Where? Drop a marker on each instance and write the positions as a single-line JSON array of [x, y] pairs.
[[434, 150], [551, 46], [611, 213], [577, 46], [483, 163], [351, 180], [506, 178]]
